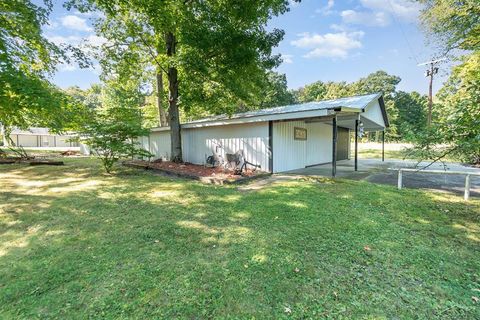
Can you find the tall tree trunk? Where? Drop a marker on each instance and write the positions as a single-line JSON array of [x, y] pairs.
[[161, 110], [173, 112]]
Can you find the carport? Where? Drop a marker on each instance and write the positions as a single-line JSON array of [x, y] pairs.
[[359, 115]]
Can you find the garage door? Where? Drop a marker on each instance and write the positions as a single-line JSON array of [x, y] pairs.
[[343, 143]]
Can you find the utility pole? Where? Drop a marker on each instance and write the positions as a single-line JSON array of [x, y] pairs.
[[432, 70]]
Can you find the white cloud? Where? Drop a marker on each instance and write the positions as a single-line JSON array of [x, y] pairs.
[[90, 40], [75, 23], [95, 40], [287, 58], [404, 9], [293, 3], [96, 69], [51, 25], [330, 45], [338, 27], [371, 19], [67, 67], [380, 13], [58, 40], [327, 9]]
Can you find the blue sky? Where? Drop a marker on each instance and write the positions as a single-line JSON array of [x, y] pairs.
[[329, 40]]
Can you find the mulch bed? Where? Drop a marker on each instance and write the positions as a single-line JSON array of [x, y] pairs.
[[197, 172]]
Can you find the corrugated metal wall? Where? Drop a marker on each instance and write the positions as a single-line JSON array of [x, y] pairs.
[[158, 143], [319, 146], [291, 154], [198, 143], [50, 141], [25, 140], [252, 138]]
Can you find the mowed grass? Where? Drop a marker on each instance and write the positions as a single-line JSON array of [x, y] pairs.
[[389, 154], [76, 244]]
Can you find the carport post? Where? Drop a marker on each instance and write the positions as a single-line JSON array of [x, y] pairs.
[[356, 144], [334, 146], [383, 145]]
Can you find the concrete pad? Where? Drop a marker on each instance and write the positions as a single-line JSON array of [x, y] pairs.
[[376, 171]]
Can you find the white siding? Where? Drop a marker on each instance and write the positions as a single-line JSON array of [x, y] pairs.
[[25, 140], [47, 141], [288, 154], [159, 144], [199, 143], [64, 142], [252, 138], [291, 154], [319, 143], [373, 112]]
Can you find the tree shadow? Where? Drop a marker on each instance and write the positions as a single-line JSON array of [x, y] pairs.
[[137, 245]]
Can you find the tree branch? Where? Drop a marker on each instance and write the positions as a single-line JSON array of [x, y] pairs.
[[150, 51]]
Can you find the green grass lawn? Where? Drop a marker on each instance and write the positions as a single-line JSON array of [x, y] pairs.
[[75, 243], [377, 154]]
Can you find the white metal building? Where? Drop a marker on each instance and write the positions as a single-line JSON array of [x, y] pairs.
[[40, 137], [279, 139]]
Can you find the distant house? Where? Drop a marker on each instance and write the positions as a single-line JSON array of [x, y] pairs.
[[40, 137], [282, 138]]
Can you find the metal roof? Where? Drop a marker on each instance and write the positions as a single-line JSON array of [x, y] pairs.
[[354, 102], [37, 132], [31, 130]]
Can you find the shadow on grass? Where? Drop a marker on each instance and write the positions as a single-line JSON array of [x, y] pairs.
[[135, 245]]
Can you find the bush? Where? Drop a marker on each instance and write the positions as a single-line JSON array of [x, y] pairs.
[[113, 134]]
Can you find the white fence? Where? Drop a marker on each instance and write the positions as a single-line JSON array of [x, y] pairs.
[[467, 177]]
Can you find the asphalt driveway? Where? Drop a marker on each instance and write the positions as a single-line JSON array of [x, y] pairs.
[[374, 170]]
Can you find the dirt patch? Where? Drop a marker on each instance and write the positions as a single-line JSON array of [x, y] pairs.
[[216, 175]]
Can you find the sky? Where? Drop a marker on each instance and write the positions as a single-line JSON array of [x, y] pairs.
[[328, 40]]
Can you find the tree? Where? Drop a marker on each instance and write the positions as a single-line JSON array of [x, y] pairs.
[[208, 49], [26, 57], [276, 91], [113, 130], [459, 118], [313, 92], [411, 116], [455, 24], [90, 97]]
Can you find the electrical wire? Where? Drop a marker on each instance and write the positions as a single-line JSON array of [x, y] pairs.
[[397, 21]]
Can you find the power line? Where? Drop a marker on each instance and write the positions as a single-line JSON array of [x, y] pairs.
[[397, 21]]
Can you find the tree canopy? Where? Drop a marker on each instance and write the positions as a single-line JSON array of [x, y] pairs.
[[26, 58], [456, 123], [456, 24], [213, 53]]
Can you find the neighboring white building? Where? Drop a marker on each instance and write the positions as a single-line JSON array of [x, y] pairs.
[[278, 139], [40, 137]]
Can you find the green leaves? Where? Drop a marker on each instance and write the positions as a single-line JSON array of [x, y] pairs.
[[113, 130], [27, 98], [455, 24]]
